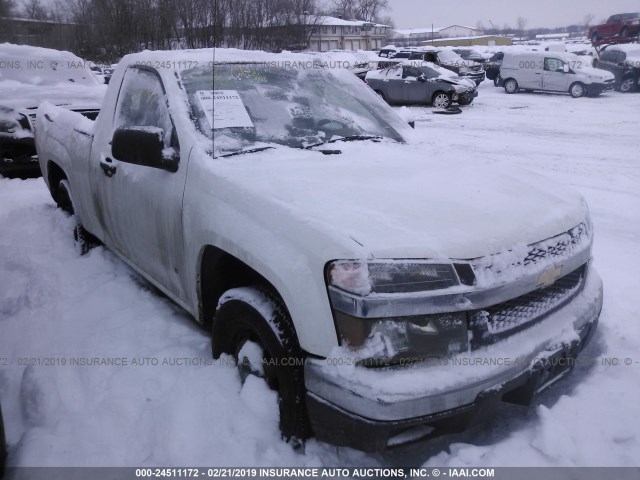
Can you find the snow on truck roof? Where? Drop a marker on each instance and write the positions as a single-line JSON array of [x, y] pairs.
[[183, 59]]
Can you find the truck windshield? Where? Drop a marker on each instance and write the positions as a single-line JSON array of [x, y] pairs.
[[249, 106]]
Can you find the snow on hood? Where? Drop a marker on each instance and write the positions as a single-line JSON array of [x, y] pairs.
[[18, 96], [398, 201]]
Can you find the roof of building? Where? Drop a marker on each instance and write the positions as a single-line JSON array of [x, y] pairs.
[[426, 30], [335, 21]]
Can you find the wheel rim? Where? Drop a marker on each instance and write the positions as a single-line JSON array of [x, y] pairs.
[[510, 86], [626, 85], [577, 90], [441, 101]]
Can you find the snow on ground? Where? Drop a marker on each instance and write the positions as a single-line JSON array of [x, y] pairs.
[[55, 304]]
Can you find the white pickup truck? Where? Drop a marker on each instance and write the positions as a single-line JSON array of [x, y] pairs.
[[386, 295]]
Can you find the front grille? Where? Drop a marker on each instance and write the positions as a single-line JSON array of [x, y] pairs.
[[498, 321], [526, 260], [556, 246]]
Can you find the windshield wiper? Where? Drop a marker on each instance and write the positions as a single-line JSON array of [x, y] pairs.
[[252, 150], [348, 138]]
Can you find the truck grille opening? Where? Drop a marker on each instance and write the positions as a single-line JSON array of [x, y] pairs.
[[498, 321], [556, 246]]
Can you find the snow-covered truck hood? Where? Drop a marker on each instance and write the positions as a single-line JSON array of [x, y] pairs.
[[19, 96], [398, 201]]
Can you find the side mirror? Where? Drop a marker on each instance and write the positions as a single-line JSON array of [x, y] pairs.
[[143, 146], [565, 68]]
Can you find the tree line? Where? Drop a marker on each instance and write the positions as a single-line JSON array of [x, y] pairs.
[[105, 30]]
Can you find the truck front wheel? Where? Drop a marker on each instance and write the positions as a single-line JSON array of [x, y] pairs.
[[253, 325]]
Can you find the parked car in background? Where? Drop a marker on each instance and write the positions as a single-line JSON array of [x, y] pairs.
[[108, 72], [388, 52], [470, 54], [97, 71], [29, 76], [620, 25], [553, 72], [408, 84], [492, 67], [451, 61], [361, 69], [623, 61]]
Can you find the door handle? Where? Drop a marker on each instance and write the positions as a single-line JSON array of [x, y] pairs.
[[109, 170]]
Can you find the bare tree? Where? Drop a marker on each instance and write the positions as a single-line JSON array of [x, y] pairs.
[[34, 9], [521, 23], [370, 10], [588, 20], [6, 8], [343, 8]]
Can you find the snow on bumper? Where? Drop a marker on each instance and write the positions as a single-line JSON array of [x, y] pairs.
[[441, 385]]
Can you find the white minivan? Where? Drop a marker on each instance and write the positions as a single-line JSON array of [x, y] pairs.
[[553, 72]]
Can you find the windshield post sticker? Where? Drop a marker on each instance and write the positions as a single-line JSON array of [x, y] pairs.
[[226, 110]]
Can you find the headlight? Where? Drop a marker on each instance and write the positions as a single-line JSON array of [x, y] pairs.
[[405, 340], [363, 278]]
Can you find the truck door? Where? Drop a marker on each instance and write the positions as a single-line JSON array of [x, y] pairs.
[[140, 207], [554, 78]]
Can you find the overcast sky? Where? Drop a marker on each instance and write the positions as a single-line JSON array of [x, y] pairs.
[[539, 13]]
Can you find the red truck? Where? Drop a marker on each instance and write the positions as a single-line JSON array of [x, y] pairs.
[[622, 25]]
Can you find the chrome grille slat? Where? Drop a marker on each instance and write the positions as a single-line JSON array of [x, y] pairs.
[[498, 321]]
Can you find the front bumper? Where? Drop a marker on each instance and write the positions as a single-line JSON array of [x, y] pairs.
[[598, 88], [17, 154], [374, 409], [477, 77], [467, 97]]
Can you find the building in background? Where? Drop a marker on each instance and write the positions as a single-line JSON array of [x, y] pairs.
[[331, 33], [480, 40], [415, 36]]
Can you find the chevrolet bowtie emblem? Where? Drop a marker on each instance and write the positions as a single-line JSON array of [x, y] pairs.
[[549, 276]]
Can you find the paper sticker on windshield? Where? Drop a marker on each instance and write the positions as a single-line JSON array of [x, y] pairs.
[[226, 110]]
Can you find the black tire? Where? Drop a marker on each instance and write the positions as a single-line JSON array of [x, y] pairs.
[[236, 321], [84, 240], [510, 86], [577, 90], [381, 95], [62, 196], [441, 99], [627, 85]]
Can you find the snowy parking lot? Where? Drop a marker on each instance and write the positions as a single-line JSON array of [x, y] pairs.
[[165, 402]]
